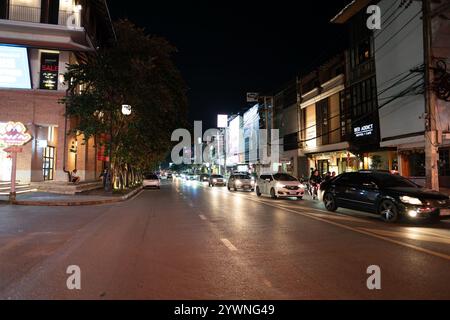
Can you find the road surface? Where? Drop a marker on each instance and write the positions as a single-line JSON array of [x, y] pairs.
[[188, 241]]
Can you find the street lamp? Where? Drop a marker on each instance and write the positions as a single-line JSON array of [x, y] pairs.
[[126, 109]]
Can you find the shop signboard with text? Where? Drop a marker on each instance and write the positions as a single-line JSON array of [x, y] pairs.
[[49, 71], [365, 133], [13, 135]]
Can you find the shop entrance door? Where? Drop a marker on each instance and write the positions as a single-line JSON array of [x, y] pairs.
[[5, 166], [48, 162], [323, 166]]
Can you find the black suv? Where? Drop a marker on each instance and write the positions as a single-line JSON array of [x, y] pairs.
[[388, 195]]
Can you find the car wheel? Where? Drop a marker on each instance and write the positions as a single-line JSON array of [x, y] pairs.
[[235, 189], [388, 211], [272, 193], [228, 187], [258, 192], [330, 202]]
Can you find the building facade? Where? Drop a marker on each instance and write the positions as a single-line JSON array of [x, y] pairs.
[[393, 58], [38, 38]]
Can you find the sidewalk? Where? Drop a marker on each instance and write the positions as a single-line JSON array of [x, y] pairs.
[[94, 197]]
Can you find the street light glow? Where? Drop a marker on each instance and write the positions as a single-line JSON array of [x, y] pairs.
[[126, 110]]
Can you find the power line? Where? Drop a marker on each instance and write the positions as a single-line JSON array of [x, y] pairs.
[[398, 31]]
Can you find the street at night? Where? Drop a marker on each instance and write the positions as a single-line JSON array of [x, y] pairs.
[[189, 241], [224, 160]]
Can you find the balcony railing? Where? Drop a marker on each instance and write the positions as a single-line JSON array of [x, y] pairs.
[[36, 15]]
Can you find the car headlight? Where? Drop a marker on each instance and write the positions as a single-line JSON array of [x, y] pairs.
[[238, 182], [214, 180], [252, 182], [411, 200], [301, 186]]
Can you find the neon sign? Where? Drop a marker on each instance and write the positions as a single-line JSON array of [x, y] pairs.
[[14, 134]]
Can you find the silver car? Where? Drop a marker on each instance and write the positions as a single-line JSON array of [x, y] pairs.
[[241, 182]]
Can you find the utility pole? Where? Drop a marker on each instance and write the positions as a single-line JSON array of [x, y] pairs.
[[431, 132], [225, 151]]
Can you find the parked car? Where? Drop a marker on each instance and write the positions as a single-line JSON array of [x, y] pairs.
[[151, 181], [169, 176], [279, 185], [204, 178], [390, 196], [216, 180], [241, 181]]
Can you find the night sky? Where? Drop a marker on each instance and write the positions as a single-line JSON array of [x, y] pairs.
[[226, 49]]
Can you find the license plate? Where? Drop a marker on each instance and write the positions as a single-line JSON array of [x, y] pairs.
[[293, 192], [445, 212]]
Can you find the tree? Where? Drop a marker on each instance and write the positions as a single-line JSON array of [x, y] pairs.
[[136, 70]]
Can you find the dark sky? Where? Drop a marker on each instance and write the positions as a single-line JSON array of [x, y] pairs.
[[229, 48]]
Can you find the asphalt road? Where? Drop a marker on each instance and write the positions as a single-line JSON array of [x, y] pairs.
[[187, 241]]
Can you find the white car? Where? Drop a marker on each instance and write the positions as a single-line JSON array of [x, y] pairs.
[[151, 181], [279, 185]]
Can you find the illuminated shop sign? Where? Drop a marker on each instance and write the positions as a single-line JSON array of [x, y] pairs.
[[13, 134], [14, 68], [364, 131], [49, 71]]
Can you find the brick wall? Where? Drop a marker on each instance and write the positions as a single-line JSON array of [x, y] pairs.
[[41, 108]]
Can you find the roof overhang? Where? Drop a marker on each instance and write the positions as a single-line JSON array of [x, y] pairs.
[[44, 36], [350, 10]]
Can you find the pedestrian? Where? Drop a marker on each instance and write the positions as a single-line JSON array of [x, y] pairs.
[[312, 173], [315, 182], [328, 176], [103, 176], [75, 177]]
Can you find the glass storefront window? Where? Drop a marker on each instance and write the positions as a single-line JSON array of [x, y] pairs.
[[48, 165], [416, 164], [444, 163]]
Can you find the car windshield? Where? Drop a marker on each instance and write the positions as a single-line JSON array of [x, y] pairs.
[[242, 177], [284, 177], [151, 177], [392, 181], [215, 176]]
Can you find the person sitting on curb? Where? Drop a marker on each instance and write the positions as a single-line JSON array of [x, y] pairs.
[[75, 177]]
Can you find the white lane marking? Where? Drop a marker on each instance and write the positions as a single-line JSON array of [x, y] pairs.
[[358, 230], [228, 244], [202, 217]]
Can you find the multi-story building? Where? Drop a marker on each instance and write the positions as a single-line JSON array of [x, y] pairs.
[[286, 120], [324, 119], [392, 59], [313, 122], [38, 38], [361, 94]]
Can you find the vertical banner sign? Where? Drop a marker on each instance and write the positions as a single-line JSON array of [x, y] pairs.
[[49, 71]]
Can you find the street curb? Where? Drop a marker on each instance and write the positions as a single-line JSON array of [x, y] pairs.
[[126, 197]]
